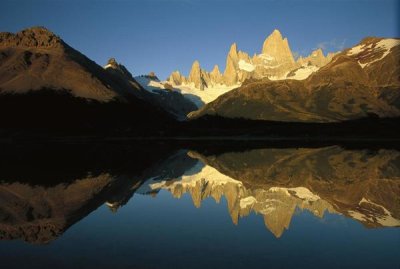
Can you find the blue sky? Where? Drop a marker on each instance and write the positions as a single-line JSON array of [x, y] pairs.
[[167, 35]]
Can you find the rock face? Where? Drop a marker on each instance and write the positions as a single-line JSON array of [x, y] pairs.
[[278, 47], [176, 78], [274, 62], [230, 73], [197, 76], [316, 58], [358, 82], [215, 75]]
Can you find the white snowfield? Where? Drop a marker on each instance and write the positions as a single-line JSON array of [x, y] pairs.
[[201, 97], [385, 44], [385, 219], [189, 91], [301, 192], [304, 72], [266, 57], [243, 65], [149, 84]]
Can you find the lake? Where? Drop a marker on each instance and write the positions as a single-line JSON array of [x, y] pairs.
[[161, 205]]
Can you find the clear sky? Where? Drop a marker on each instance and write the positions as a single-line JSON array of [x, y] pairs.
[[167, 35]]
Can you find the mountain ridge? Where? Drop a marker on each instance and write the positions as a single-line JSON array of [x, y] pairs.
[[348, 87]]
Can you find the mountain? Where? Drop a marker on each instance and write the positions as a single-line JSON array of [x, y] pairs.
[[35, 59], [45, 83], [359, 82], [275, 62]]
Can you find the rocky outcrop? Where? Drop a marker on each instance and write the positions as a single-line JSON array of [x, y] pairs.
[[215, 75], [176, 78], [316, 58], [230, 73], [34, 37], [197, 76]]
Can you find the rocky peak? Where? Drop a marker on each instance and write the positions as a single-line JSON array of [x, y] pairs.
[[152, 76], [176, 78], [38, 37], [215, 75], [233, 53], [317, 53], [196, 76], [230, 73], [195, 67], [112, 64], [215, 70], [278, 47], [316, 58]]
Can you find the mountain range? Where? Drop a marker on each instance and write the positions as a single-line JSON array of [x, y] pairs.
[[48, 85], [356, 83], [275, 62]]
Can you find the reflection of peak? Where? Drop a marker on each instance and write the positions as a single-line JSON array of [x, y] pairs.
[[38, 214], [338, 176], [277, 205]]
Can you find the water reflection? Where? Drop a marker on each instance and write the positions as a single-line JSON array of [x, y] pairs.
[[363, 185], [274, 183]]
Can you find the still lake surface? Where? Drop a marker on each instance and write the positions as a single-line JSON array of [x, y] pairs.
[[167, 207]]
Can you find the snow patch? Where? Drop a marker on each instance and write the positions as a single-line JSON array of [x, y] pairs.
[[301, 192], [304, 72], [243, 65], [385, 44], [266, 57], [150, 85], [209, 174], [205, 96], [248, 201], [386, 219]]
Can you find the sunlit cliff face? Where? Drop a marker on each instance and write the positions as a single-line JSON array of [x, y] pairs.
[[274, 183]]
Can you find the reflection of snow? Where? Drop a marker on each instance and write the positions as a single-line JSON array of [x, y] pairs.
[[385, 219]]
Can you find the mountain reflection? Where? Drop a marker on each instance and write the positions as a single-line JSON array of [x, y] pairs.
[[274, 183], [361, 184]]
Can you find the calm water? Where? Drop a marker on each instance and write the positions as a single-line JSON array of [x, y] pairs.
[[326, 207]]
